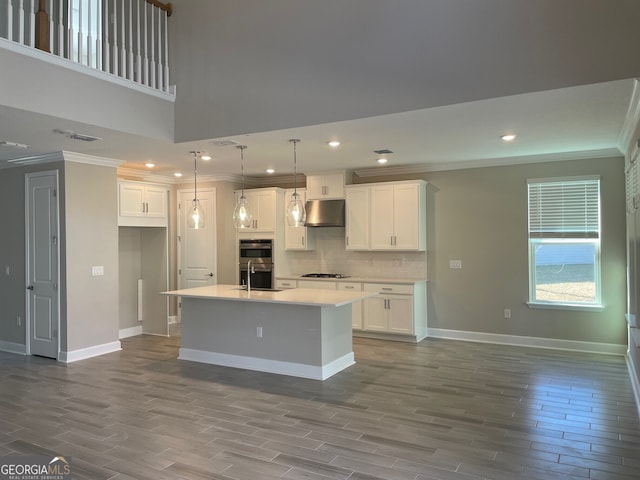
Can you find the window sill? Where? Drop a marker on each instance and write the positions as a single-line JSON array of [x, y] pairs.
[[566, 306]]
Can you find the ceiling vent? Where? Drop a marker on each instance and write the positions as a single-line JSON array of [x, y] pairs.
[[77, 136], [384, 151], [225, 143]]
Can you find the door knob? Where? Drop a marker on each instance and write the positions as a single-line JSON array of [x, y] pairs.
[[209, 275], [30, 287]]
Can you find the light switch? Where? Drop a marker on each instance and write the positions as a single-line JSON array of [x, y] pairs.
[[97, 271], [455, 264]]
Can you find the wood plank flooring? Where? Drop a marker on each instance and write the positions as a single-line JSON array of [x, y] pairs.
[[437, 410]]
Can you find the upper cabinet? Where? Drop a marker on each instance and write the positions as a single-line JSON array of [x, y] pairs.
[[297, 238], [320, 187], [398, 220], [386, 216], [357, 217], [264, 204], [142, 204]]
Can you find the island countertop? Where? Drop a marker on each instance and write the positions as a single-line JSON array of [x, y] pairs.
[[293, 296]]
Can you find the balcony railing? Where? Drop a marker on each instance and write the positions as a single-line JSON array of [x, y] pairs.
[[127, 38]]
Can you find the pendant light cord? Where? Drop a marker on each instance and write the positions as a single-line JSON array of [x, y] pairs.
[[242, 147], [195, 176], [295, 164]]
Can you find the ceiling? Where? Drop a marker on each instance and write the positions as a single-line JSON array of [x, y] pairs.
[[584, 117]]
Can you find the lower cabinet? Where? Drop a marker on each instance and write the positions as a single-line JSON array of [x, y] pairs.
[[397, 310], [356, 307]]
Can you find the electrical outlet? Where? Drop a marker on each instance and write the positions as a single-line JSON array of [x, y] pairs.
[[7, 270], [457, 264], [259, 332], [97, 271], [19, 321], [507, 313]]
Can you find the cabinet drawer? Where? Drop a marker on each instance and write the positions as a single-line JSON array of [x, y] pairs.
[[354, 286], [286, 283], [323, 285], [389, 288]]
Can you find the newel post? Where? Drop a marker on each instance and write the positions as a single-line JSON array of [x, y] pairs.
[[42, 28]]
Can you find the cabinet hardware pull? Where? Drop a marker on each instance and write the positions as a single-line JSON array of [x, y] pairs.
[[348, 286], [387, 289]]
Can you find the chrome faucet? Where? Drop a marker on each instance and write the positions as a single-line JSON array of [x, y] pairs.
[[250, 270]]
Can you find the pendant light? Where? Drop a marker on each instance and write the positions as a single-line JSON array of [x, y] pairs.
[[241, 214], [195, 218], [296, 214]]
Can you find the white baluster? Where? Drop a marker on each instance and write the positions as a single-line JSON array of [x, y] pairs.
[[166, 53], [138, 58], [98, 42], [80, 34], [32, 24], [21, 22], [51, 26], [130, 55], [123, 45], [89, 39], [146, 57], [115, 62], [152, 83], [106, 51], [160, 69], [60, 31], [71, 33], [9, 21]]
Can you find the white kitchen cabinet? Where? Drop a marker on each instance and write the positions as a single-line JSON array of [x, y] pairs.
[[357, 217], [321, 284], [356, 307], [297, 238], [264, 204], [397, 310], [320, 187], [142, 205], [284, 284], [398, 216]]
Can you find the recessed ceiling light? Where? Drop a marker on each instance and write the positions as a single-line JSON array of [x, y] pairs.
[[149, 164], [205, 156], [509, 137], [270, 171], [334, 143], [382, 161], [177, 174]]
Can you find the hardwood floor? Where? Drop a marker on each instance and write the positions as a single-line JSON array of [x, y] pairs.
[[437, 410]]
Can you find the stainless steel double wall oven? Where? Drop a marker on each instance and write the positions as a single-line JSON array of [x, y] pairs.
[[260, 254]]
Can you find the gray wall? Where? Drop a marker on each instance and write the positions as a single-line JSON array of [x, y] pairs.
[[479, 216], [91, 239], [12, 248]]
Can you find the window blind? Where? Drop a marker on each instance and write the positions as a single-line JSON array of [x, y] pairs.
[[564, 208]]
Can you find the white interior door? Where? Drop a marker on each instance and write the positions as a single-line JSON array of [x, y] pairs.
[[43, 300], [197, 248]]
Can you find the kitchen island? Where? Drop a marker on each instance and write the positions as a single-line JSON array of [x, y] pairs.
[[300, 332]]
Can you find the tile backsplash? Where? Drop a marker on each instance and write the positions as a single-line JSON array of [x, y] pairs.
[[330, 256]]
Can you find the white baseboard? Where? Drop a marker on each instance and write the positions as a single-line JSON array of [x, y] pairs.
[[96, 350], [130, 332], [270, 366], [535, 342], [13, 347]]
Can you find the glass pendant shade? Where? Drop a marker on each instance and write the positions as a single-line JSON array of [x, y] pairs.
[[195, 219], [296, 214], [241, 215]]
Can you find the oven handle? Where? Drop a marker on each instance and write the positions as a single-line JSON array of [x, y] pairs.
[[256, 268]]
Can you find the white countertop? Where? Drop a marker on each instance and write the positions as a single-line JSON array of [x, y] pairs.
[[294, 296], [399, 281]]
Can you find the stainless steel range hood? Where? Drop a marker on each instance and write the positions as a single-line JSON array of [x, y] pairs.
[[325, 213]]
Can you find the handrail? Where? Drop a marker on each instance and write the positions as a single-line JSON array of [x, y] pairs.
[[168, 7]]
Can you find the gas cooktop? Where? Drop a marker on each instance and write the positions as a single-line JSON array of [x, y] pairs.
[[325, 275]]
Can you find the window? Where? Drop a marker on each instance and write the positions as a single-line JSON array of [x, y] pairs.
[[564, 241]]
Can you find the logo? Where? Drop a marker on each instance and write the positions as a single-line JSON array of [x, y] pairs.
[[35, 467]]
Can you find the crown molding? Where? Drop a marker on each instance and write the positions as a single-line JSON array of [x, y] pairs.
[[626, 140], [91, 159], [493, 162]]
